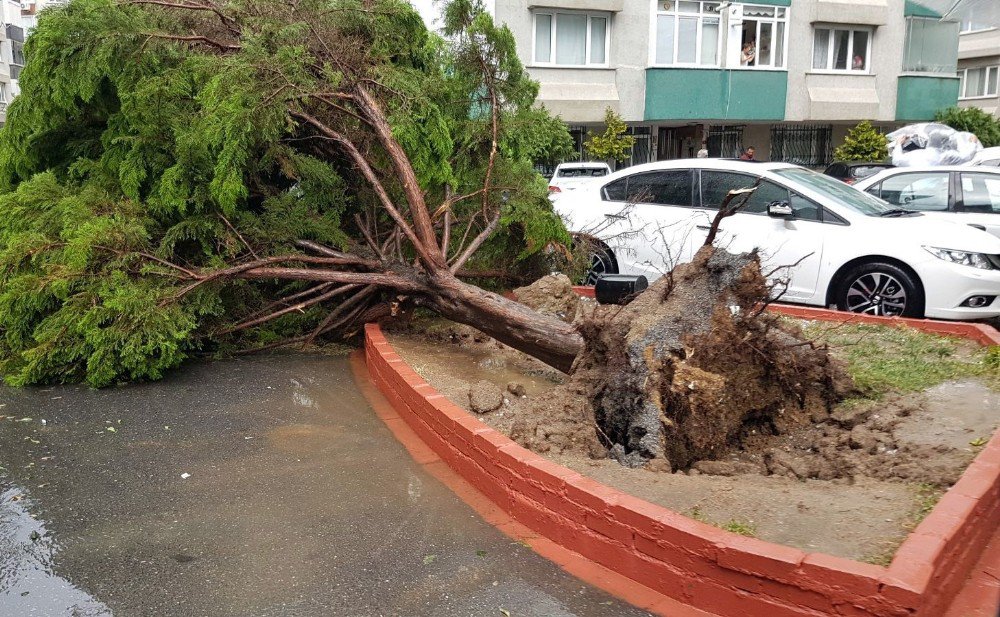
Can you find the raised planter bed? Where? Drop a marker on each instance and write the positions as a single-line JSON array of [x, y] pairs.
[[687, 560]]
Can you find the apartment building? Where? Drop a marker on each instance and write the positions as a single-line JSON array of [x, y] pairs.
[[978, 65], [789, 78], [11, 53]]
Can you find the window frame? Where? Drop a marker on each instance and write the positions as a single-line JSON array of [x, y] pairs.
[[973, 27], [553, 13], [963, 75], [958, 200], [774, 21], [832, 28], [699, 38], [948, 177]]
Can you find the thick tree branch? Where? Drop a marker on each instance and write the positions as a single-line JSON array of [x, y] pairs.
[[392, 281]]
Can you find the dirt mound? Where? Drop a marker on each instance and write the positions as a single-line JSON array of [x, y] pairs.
[[551, 295], [684, 371]]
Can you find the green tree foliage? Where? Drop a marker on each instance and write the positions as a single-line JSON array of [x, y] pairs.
[[972, 120], [151, 142], [863, 143], [613, 143]]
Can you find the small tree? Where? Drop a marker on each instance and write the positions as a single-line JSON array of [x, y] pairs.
[[975, 121], [614, 143], [863, 143]]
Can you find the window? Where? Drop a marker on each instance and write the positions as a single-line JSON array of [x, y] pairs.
[[931, 46], [971, 26], [801, 144], [571, 39], [669, 187], [980, 192], [762, 42], [916, 191], [978, 82], [725, 141], [715, 185], [687, 33], [835, 49]]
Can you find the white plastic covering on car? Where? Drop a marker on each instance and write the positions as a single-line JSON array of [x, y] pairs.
[[929, 143]]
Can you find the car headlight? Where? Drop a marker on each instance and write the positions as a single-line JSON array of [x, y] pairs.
[[976, 260]]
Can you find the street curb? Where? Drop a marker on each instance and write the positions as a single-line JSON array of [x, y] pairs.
[[684, 559]]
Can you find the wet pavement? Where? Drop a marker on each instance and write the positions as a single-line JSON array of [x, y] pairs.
[[261, 486]]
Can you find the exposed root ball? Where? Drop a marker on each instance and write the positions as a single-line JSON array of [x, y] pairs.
[[685, 369]]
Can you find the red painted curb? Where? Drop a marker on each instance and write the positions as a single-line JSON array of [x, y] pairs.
[[686, 560], [981, 333]]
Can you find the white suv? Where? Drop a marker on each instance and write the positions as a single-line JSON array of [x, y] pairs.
[[834, 244]]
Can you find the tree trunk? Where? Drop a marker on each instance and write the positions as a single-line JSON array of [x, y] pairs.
[[549, 339]]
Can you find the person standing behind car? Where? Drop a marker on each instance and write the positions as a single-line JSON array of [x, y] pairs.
[[748, 154], [703, 152]]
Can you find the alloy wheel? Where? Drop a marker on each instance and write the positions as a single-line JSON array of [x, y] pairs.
[[876, 293]]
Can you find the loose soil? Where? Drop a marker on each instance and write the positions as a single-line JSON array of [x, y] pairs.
[[851, 482]]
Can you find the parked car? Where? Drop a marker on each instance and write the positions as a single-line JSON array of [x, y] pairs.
[[570, 176], [987, 157], [836, 245], [852, 171], [964, 194]]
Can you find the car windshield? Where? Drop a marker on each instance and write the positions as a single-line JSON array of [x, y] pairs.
[[863, 171], [582, 172], [838, 192]]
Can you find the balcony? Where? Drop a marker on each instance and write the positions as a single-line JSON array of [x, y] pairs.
[[918, 97], [715, 94], [14, 33]]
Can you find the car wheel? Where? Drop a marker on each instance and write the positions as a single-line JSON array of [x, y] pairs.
[[602, 261], [881, 289]]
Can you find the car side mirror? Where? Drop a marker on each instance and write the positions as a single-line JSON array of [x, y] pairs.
[[779, 209]]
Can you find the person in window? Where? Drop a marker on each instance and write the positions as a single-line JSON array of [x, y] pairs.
[[748, 154], [749, 53], [703, 152], [859, 63]]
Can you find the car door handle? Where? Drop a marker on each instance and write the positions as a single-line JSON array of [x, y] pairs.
[[616, 217]]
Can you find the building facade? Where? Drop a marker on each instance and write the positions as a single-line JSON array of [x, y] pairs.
[[789, 78], [11, 53], [978, 65]]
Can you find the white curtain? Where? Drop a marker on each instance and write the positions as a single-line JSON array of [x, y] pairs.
[[598, 33], [543, 38], [687, 41], [821, 47], [665, 39], [571, 39], [710, 42]]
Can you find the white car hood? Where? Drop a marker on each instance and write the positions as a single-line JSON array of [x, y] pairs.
[[936, 232]]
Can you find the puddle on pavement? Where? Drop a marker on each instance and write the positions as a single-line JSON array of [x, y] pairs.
[[259, 486], [954, 414]]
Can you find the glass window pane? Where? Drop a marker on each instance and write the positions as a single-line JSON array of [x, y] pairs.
[[841, 47], [715, 185], [764, 45], [665, 39], [688, 7], [571, 39], [917, 191], [991, 84], [687, 41], [543, 38], [981, 192], [779, 45], [615, 191], [821, 48], [930, 46], [661, 187], [805, 209], [859, 61], [710, 41], [598, 32], [975, 82]]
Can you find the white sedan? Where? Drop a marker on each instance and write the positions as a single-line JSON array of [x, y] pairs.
[[571, 176], [964, 194], [833, 244]]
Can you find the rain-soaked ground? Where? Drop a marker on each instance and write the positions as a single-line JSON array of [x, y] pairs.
[[253, 487]]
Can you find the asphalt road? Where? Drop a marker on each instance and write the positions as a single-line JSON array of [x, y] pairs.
[[255, 487]]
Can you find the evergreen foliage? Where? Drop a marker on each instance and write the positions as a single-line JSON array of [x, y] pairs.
[[613, 143], [972, 120], [134, 152], [863, 143]]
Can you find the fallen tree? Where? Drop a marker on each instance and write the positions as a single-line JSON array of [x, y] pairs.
[[183, 176]]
